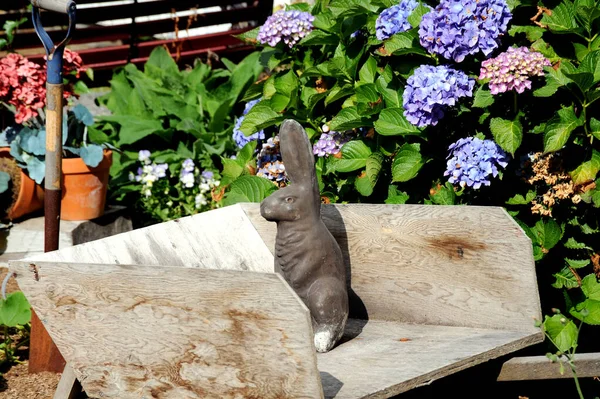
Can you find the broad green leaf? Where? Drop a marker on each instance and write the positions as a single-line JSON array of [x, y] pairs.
[[15, 310], [591, 287], [367, 93], [571, 243], [483, 98], [92, 155], [318, 38], [444, 195], [396, 196], [562, 331], [231, 168], [532, 33], [134, 129], [390, 91], [587, 171], [399, 41], [548, 233], [249, 188], [368, 72], [559, 129], [587, 311], [162, 60], [249, 36], [366, 182], [565, 279], [354, 156], [414, 19], [518, 199], [407, 163], [348, 118], [591, 65], [260, 117], [392, 122], [595, 127], [562, 18], [338, 92], [508, 134], [577, 263]]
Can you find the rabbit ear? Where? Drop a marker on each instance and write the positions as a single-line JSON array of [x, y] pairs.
[[297, 153]]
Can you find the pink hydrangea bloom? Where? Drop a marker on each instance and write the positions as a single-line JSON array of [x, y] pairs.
[[512, 69]]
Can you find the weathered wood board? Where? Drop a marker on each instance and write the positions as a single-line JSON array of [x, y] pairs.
[[26, 238], [220, 239], [541, 368], [441, 265], [172, 332], [381, 359], [443, 288]]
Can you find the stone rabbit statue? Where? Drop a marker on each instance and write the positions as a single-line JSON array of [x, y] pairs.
[[306, 254]]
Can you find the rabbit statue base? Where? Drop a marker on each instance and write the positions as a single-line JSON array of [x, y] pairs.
[[306, 254]]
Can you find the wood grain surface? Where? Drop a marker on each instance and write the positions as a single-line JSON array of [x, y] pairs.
[[382, 359], [541, 368], [440, 265], [173, 332], [221, 239]]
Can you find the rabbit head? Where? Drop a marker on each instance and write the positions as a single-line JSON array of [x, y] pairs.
[[301, 199]]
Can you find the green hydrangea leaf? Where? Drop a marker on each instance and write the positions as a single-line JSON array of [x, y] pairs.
[[508, 134], [559, 129], [407, 163], [562, 331], [15, 310], [392, 122]]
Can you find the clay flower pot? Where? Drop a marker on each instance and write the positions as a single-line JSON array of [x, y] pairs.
[[84, 188], [30, 197]]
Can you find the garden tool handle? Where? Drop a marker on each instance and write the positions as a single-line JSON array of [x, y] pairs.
[[61, 6]]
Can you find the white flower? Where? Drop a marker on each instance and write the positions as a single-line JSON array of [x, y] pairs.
[[188, 180]]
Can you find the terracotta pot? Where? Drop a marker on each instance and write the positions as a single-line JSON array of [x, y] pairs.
[[84, 188], [30, 197]]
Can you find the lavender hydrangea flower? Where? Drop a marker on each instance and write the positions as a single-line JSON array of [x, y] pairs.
[[429, 90], [394, 19], [330, 142], [511, 69], [270, 164], [240, 139], [287, 26], [457, 28], [472, 161]]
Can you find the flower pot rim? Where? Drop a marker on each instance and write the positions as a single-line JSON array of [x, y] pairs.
[[77, 166]]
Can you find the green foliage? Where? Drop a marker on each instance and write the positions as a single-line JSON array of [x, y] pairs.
[[15, 315], [10, 27]]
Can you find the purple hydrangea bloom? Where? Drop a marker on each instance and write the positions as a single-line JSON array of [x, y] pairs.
[[330, 142], [287, 26], [472, 161], [270, 164], [457, 28], [429, 90], [240, 139], [511, 69], [394, 19]]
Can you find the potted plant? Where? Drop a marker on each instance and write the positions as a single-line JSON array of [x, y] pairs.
[[85, 164]]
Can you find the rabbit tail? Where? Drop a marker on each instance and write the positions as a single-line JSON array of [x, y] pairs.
[[328, 303]]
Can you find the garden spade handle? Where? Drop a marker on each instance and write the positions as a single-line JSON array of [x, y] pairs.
[[54, 115]]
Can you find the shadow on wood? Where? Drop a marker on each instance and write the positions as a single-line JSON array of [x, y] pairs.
[[437, 290]]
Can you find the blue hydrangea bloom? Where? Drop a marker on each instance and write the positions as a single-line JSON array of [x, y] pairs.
[[287, 26], [240, 139], [394, 19], [429, 90], [472, 162], [457, 28]]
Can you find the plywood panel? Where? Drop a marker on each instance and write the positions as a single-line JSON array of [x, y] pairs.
[[382, 359], [172, 332], [541, 368], [221, 239], [442, 265]]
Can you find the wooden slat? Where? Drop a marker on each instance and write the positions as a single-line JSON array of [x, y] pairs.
[[542, 368], [193, 241], [105, 13], [381, 359], [68, 386], [440, 265], [172, 332], [120, 32]]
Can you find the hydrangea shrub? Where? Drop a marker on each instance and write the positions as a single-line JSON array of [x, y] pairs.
[[482, 102]]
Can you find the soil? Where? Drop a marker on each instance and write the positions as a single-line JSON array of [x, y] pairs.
[[17, 383]]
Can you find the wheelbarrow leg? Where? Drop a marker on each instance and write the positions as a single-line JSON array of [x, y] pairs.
[[68, 386]]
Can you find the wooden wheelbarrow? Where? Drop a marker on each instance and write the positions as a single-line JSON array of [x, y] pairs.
[[192, 309]]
